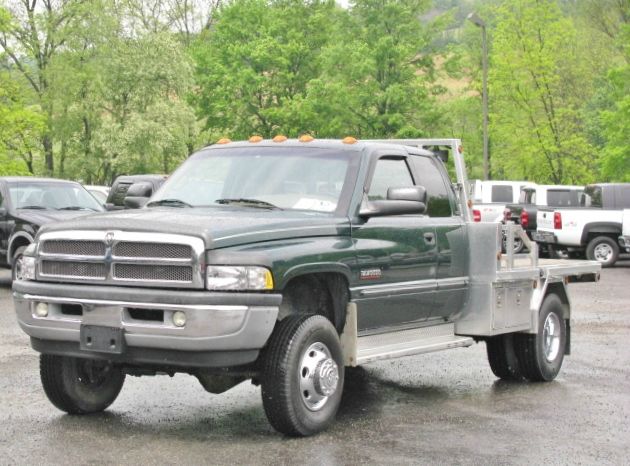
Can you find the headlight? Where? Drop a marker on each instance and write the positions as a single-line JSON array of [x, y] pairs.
[[238, 278], [27, 271]]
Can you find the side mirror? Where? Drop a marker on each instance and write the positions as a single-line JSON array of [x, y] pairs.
[[138, 194], [400, 201]]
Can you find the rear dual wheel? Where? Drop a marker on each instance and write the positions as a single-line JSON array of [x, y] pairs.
[[535, 357]]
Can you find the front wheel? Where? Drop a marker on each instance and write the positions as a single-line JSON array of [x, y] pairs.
[[78, 385], [16, 268], [540, 356], [303, 375], [603, 250]]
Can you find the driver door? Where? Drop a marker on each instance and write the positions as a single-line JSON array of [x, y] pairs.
[[396, 257]]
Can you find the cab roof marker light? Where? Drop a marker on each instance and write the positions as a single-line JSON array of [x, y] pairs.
[[224, 141], [279, 138], [306, 138], [254, 139], [349, 140]]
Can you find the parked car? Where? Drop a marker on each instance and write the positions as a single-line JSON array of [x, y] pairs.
[[532, 197], [99, 192], [593, 228], [489, 198], [28, 203], [118, 193]]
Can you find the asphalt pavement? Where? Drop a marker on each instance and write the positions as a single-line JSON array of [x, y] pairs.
[[439, 408]]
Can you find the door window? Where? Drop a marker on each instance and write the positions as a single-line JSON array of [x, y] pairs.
[[389, 173], [429, 176]]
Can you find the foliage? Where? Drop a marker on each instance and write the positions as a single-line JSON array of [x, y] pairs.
[[90, 90]]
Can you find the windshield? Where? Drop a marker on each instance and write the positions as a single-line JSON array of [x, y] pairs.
[[51, 195], [286, 178]]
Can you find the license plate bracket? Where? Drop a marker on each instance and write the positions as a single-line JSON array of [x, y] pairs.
[[102, 339]]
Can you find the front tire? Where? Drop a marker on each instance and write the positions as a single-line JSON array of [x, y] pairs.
[[78, 385], [16, 268], [303, 375], [540, 356], [603, 250]]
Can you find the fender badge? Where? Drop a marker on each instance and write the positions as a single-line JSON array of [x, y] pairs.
[[370, 274]]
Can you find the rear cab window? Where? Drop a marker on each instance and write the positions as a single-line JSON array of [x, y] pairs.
[[502, 194], [563, 198], [592, 197]]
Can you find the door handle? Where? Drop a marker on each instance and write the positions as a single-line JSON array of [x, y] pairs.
[[429, 238]]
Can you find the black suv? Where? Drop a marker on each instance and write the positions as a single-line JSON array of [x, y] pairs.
[[28, 203], [118, 193]]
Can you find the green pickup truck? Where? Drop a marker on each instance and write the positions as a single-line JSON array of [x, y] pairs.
[[285, 261]]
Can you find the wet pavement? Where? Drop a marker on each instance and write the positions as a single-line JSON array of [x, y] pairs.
[[440, 408]]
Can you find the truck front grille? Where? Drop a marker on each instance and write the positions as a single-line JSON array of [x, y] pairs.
[[135, 259], [74, 248], [86, 270], [152, 250], [167, 273]]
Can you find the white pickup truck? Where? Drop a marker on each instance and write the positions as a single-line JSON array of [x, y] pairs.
[[593, 229], [489, 198]]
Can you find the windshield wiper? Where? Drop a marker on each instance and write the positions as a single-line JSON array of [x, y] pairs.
[[76, 207], [248, 202], [169, 202], [35, 207]]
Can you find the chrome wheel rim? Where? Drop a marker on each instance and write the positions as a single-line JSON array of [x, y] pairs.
[[603, 252], [319, 376], [551, 337]]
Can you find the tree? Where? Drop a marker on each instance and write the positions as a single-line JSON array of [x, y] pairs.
[[377, 75], [539, 83], [255, 63], [20, 128], [31, 35]]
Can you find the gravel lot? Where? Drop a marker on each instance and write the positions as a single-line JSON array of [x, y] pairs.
[[441, 408]]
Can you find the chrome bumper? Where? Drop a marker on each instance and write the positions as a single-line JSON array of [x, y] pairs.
[[214, 321], [624, 241]]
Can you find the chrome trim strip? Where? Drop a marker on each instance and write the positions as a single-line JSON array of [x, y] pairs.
[[100, 302], [419, 286]]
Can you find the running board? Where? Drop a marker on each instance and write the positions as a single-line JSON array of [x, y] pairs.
[[363, 349]]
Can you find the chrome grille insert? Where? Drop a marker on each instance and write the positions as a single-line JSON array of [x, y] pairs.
[[121, 258], [152, 250], [166, 273], [73, 247], [84, 270]]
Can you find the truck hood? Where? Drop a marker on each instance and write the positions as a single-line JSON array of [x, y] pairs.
[[218, 227], [43, 217]]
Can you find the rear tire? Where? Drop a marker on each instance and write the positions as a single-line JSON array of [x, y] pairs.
[[502, 357], [603, 250], [303, 375], [540, 356], [80, 386]]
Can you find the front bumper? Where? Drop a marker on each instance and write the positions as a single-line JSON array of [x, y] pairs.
[[221, 329], [624, 242]]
